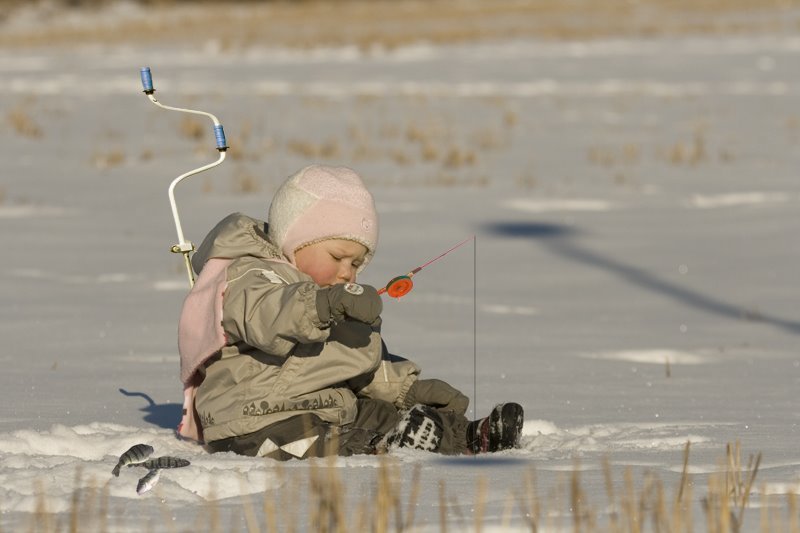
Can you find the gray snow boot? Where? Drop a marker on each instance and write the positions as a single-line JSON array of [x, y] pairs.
[[501, 430], [419, 428]]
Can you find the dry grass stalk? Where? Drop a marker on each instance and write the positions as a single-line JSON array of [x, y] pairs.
[[457, 157], [146, 154], [23, 124], [109, 159], [689, 153], [192, 128], [577, 498], [250, 520], [645, 500], [104, 493], [212, 520], [728, 491], [41, 518], [75, 503], [488, 139], [269, 512], [412, 498], [325, 150], [613, 512], [442, 507], [683, 517], [386, 502], [245, 182], [628, 154], [529, 507], [741, 487], [327, 501], [684, 474], [428, 151], [399, 156], [630, 510], [794, 516], [480, 504], [510, 118]]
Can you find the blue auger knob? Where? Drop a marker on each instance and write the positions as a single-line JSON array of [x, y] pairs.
[[147, 80], [219, 133]]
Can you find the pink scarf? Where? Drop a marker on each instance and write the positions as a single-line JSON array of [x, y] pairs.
[[200, 336]]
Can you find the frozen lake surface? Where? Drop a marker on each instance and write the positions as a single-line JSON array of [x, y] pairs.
[[633, 282]]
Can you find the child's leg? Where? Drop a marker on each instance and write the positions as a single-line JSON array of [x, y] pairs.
[[424, 427], [436, 393], [374, 418], [298, 437], [454, 436], [306, 435]]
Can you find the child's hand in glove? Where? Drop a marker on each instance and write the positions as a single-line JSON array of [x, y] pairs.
[[349, 300]]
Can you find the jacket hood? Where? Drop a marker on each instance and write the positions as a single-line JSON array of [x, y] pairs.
[[236, 235]]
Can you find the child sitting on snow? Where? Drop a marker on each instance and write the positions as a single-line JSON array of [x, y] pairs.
[[281, 352]]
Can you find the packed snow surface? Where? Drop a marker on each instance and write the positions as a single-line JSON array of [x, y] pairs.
[[632, 282]]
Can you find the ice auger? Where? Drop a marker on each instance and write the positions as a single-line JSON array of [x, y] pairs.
[[183, 246]]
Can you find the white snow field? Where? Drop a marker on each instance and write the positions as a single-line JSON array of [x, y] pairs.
[[633, 281]]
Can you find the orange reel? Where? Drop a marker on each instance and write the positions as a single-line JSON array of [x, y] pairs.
[[402, 285], [398, 287]]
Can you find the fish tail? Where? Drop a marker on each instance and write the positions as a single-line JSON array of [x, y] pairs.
[[116, 470]]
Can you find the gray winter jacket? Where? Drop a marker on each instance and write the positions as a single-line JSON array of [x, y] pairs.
[[272, 358]]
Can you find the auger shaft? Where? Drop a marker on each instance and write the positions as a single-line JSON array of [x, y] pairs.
[[183, 246]]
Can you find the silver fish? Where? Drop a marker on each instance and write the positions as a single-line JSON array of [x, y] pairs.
[[135, 454], [148, 481], [162, 462]]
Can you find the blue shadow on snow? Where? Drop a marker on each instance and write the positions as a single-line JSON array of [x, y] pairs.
[[164, 415], [556, 238]]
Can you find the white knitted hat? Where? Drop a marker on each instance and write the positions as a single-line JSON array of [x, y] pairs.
[[320, 203]]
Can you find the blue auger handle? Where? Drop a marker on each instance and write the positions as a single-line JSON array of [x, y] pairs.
[[219, 133], [147, 80]]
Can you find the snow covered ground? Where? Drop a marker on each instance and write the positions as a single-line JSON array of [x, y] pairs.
[[633, 281]]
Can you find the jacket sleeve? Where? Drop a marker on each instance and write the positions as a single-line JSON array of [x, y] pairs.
[[270, 311], [390, 382]]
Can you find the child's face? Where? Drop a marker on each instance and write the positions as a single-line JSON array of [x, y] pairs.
[[331, 262]]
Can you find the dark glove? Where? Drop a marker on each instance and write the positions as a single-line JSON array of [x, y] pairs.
[[351, 333], [436, 393], [359, 302]]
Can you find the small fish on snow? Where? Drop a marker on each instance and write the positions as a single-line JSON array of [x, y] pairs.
[[162, 462], [135, 454], [148, 481]]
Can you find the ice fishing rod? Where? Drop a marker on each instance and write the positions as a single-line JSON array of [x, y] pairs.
[[185, 247], [402, 285]]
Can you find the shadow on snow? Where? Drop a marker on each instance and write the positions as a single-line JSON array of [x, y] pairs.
[[164, 415], [557, 239]]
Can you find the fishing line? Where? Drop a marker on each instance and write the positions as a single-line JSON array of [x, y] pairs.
[[475, 324], [399, 286]]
